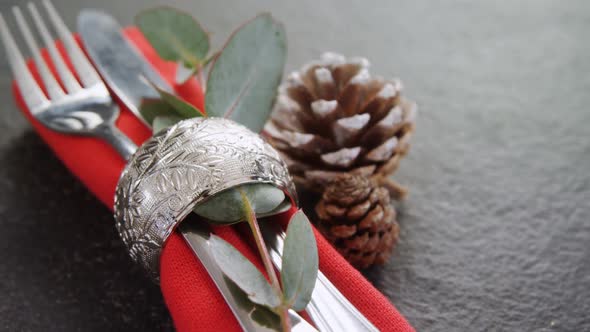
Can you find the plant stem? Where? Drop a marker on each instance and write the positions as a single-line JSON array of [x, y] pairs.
[[285, 319], [283, 310]]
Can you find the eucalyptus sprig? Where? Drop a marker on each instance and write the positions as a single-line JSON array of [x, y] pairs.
[[298, 274], [241, 85]]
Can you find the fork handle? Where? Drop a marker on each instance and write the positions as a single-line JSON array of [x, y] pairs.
[[124, 146]]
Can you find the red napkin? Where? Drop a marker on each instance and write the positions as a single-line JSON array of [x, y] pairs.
[[193, 300]]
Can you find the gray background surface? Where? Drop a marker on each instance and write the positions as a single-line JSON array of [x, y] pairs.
[[495, 233]]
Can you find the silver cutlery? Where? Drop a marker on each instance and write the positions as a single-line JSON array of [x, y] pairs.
[[86, 108], [102, 36], [83, 109]]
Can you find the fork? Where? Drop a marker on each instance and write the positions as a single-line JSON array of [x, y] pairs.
[[81, 109]]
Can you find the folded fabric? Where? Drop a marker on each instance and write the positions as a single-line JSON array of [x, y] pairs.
[[194, 302]]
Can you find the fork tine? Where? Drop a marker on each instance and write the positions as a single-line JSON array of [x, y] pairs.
[[64, 73], [86, 72], [29, 89], [53, 89]]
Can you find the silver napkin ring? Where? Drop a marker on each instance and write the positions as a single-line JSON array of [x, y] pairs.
[[181, 167]]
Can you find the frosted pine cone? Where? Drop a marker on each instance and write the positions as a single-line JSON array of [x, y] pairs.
[[332, 117]]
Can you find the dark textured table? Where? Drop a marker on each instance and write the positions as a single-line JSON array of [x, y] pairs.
[[495, 233]]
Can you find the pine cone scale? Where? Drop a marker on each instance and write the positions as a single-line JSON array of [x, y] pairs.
[[358, 210]]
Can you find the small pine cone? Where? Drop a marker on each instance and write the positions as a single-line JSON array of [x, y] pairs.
[[357, 217], [332, 117]]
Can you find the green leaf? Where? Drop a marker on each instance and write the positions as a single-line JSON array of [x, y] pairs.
[[300, 262], [266, 318], [260, 314], [244, 78], [227, 207], [169, 106], [152, 108], [182, 108], [283, 207], [241, 271], [175, 35], [164, 121]]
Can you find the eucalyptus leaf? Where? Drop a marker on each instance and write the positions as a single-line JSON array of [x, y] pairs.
[[175, 35], [242, 272], [227, 206], [164, 121], [182, 108], [260, 314], [300, 262], [283, 207], [244, 78], [152, 108], [266, 318]]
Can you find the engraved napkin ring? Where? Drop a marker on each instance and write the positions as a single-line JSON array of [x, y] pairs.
[[181, 167]]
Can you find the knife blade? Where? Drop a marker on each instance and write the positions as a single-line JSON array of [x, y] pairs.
[[118, 61], [127, 73]]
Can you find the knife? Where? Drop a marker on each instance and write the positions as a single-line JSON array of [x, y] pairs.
[[127, 73], [119, 62]]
